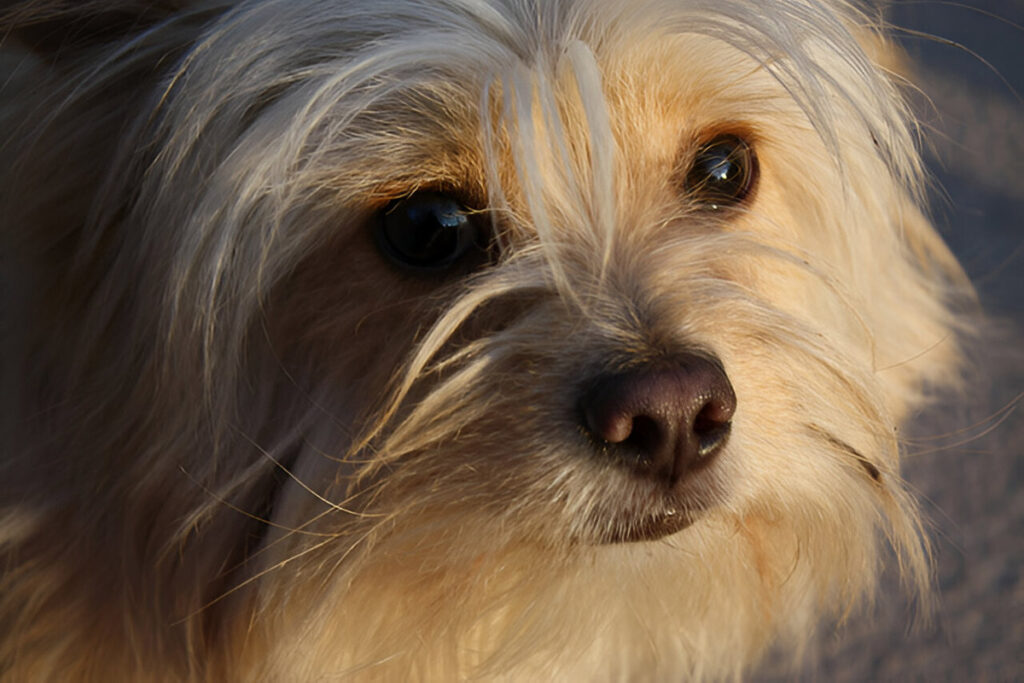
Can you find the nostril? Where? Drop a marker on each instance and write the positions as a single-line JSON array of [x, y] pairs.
[[712, 426], [607, 423], [646, 434], [716, 411]]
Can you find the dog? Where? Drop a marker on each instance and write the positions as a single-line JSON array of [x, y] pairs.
[[457, 339]]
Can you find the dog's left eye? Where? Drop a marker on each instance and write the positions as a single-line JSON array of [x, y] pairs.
[[426, 231], [723, 172]]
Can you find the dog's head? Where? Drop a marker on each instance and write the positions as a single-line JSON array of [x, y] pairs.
[[573, 332]]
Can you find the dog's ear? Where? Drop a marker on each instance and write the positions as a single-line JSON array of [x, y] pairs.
[[61, 27]]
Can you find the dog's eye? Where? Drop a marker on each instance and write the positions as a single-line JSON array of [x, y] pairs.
[[425, 231], [723, 173]]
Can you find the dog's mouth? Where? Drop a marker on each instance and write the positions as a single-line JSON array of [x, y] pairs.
[[651, 516], [639, 506], [649, 527]]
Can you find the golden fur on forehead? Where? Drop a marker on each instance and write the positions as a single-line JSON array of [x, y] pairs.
[[220, 329]]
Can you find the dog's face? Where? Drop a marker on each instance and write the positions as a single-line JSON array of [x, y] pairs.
[[551, 337]]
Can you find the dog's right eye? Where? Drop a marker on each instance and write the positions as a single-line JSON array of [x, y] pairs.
[[426, 231]]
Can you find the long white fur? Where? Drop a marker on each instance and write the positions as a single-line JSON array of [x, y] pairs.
[[172, 360]]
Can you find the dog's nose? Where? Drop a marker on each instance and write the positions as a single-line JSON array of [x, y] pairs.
[[663, 421]]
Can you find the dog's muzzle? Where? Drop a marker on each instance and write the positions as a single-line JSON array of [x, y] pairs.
[[663, 422]]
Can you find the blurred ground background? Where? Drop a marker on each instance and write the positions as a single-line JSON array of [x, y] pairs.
[[973, 492]]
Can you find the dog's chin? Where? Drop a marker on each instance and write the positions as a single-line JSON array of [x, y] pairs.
[[651, 527], [662, 513]]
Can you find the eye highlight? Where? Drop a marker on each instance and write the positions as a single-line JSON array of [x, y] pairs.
[[723, 173], [425, 231]]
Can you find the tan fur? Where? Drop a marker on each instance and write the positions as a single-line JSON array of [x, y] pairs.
[[243, 445]]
